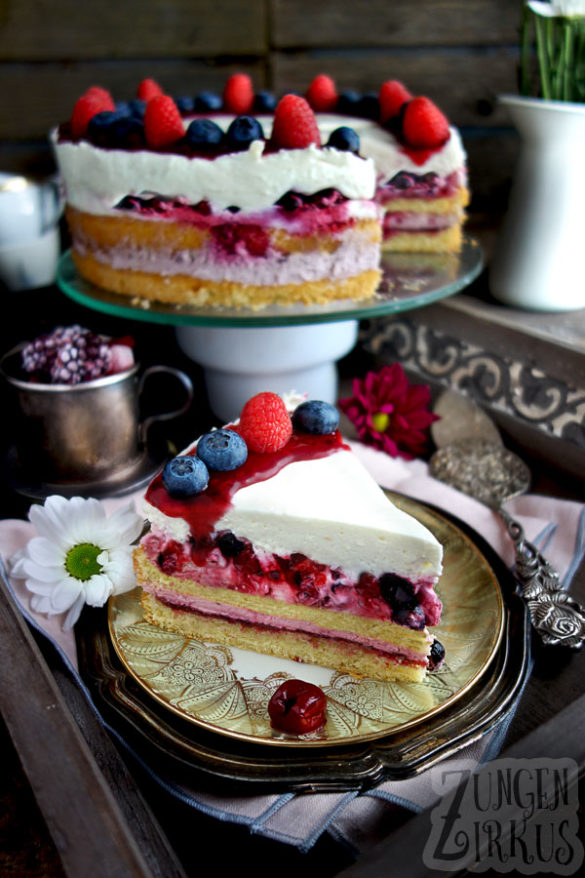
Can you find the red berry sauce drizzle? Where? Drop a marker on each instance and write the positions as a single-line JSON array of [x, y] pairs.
[[203, 510]]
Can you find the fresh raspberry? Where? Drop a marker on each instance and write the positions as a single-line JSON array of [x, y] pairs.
[[322, 94], [265, 423], [238, 94], [103, 93], [162, 121], [392, 96], [148, 89], [94, 100], [294, 126], [424, 125]]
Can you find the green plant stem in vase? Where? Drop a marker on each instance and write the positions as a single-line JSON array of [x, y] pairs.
[[557, 29]]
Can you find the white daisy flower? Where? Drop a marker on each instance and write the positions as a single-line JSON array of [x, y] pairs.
[[558, 8], [79, 556]]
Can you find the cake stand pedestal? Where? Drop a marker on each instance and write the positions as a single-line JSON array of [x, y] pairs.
[[239, 363], [278, 348]]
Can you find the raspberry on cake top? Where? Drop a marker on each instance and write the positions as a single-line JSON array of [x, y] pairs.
[[271, 536]]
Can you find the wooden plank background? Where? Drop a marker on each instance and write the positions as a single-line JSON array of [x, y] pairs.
[[461, 53]]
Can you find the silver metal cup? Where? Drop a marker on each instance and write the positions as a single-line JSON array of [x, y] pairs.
[[83, 432]]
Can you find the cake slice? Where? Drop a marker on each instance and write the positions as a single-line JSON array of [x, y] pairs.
[[296, 552]]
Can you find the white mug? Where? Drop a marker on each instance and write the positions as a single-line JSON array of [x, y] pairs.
[[27, 209]]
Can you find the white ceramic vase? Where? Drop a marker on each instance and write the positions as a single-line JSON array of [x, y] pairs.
[[539, 255]]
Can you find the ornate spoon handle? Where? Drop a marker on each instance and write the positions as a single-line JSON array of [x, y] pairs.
[[558, 618]]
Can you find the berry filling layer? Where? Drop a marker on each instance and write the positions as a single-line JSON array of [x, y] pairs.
[[244, 255], [239, 615], [224, 561], [429, 185], [407, 221]]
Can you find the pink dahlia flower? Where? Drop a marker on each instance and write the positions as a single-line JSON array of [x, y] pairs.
[[390, 413]]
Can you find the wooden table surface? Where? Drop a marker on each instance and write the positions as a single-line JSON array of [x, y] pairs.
[[152, 833]]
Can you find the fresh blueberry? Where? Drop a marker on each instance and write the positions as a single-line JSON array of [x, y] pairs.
[[368, 106], [397, 592], [185, 476], [185, 104], [243, 131], [229, 545], [127, 132], [100, 126], [137, 107], [264, 102], [347, 102], [315, 416], [116, 129], [344, 138], [414, 619], [203, 133], [207, 102], [222, 450], [437, 655]]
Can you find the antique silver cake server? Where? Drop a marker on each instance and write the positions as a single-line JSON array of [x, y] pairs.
[[485, 470]]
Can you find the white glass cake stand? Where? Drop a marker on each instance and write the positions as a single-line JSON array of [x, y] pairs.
[[278, 348]]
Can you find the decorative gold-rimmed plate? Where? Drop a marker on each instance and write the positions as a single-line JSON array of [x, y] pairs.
[[226, 691]]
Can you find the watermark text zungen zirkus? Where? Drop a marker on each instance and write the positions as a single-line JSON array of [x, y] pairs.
[[513, 814]]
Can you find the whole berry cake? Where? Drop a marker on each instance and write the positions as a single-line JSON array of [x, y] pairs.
[[182, 211], [242, 200], [269, 535]]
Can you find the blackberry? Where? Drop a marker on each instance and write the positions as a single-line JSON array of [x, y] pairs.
[[437, 655], [397, 592], [85, 357], [229, 545], [402, 180], [412, 618], [291, 201], [68, 355]]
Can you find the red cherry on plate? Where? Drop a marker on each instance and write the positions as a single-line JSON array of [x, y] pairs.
[[297, 707]]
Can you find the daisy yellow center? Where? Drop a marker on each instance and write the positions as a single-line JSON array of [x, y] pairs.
[[380, 421], [81, 561]]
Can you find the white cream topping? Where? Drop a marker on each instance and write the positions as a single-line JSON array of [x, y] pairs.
[[380, 145], [97, 179], [331, 510]]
